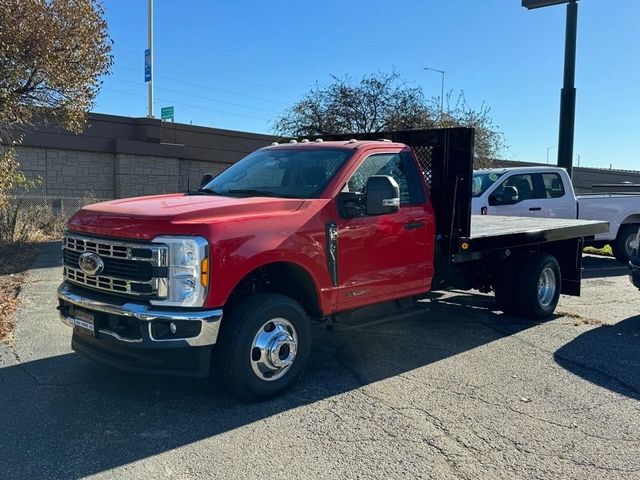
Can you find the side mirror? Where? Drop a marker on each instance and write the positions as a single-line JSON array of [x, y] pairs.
[[383, 195], [509, 196], [206, 178]]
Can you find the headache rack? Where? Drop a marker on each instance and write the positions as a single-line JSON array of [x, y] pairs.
[[445, 156]]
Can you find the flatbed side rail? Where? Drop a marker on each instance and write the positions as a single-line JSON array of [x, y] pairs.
[[495, 233]]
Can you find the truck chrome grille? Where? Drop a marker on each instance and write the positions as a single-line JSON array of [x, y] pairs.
[[114, 267], [131, 269]]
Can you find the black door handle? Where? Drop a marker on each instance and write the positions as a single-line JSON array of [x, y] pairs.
[[535, 209], [413, 225]]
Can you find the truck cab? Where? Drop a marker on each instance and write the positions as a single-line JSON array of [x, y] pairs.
[[524, 191]]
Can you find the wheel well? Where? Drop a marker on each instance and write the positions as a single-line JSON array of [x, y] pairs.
[[279, 277], [566, 252], [631, 220]]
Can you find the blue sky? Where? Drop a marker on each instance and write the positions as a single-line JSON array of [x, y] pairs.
[[238, 64]]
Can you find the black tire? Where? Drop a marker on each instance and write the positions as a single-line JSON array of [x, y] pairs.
[[529, 302], [505, 286], [238, 330], [620, 245]]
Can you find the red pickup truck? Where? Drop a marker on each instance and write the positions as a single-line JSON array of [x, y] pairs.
[[292, 233]]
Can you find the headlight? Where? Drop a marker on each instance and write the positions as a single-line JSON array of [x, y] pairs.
[[188, 271]]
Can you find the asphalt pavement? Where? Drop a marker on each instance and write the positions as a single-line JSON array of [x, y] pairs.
[[448, 389]]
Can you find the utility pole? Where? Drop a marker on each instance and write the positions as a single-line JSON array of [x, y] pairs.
[[568, 92], [149, 59]]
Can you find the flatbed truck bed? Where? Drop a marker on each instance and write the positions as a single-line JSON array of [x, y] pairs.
[[489, 233], [496, 244]]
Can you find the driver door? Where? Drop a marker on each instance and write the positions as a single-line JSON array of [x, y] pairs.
[[381, 257]]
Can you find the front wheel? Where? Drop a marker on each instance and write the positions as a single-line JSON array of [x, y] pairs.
[[264, 346], [538, 286]]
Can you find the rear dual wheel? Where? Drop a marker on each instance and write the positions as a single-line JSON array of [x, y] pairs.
[[529, 286]]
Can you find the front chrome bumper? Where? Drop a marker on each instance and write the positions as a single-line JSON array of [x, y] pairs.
[[209, 320]]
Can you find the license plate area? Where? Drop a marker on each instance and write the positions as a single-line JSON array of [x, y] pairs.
[[84, 322]]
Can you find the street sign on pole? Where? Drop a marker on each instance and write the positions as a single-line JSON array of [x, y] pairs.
[[166, 113], [147, 65]]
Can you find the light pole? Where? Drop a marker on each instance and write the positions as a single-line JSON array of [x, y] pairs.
[[568, 92], [441, 72], [549, 148], [150, 50]]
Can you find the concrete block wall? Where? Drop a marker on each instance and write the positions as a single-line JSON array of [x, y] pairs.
[[137, 175], [33, 163], [69, 173], [122, 156]]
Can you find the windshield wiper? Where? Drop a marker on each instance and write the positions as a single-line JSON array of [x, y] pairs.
[[253, 193], [207, 191]]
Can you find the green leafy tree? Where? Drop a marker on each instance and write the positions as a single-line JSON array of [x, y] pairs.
[[383, 102]]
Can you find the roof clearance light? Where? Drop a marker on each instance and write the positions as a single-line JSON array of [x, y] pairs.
[[319, 140], [293, 141]]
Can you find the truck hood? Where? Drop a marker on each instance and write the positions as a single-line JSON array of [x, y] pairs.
[[176, 214]]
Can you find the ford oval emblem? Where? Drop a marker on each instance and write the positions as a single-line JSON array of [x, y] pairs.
[[91, 263]]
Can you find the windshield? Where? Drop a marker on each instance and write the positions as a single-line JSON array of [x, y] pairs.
[[288, 173], [482, 181]]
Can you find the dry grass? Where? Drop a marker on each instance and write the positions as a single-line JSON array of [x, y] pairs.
[[15, 260]]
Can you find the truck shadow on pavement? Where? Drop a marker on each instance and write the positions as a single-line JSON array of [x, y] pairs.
[[66, 417], [608, 356]]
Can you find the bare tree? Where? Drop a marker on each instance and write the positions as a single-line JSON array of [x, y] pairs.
[[382, 102], [489, 138]]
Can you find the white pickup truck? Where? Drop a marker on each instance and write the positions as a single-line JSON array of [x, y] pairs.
[[548, 192]]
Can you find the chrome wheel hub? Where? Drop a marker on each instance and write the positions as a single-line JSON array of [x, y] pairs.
[[546, 286], [274, 349]]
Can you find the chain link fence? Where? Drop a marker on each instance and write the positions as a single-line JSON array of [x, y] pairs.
[[28, 217]]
